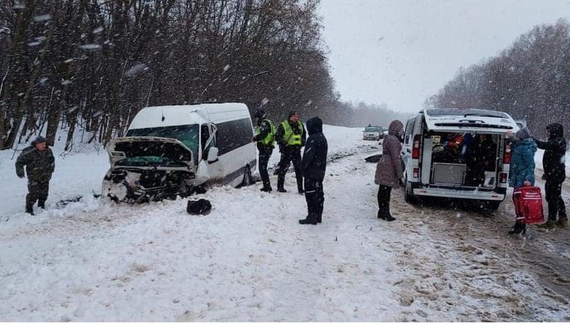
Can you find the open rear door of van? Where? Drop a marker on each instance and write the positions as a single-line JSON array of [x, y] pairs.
[[440, 172]]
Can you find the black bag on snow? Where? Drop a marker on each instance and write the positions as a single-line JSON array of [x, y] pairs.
[[198, 207]]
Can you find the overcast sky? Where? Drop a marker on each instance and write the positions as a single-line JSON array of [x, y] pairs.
[[402, 51]]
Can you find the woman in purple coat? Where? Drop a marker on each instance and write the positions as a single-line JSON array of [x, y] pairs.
[[389, 172]]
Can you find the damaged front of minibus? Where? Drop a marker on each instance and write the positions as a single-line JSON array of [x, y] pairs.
[[148, 169]]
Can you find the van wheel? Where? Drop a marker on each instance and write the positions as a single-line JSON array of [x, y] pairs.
[[493, 205], [409, 196], [247, 178]]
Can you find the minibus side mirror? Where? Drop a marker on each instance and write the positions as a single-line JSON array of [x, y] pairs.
[[213, 155]]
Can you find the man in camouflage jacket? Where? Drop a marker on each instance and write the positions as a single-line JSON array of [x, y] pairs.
[[39, 163]]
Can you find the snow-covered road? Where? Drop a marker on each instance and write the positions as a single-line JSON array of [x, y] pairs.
[[249, 259]]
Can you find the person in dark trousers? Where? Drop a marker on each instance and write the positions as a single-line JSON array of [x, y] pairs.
[[554, 174], [291, 138], [389, 171], [314, 166], [39, 163], [521, 172], [265, 138]]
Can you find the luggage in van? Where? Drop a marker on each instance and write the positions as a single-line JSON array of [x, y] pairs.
[[448, 174], [528, 204], [457, 154]]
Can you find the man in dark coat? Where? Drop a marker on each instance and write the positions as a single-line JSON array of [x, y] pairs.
[[291, 138], [265, 138], [554, 173], [314, 165], [39, 163]]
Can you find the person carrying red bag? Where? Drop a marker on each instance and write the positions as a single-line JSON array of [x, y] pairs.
[[521, 172]]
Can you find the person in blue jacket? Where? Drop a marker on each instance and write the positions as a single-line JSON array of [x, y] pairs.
[[521, 172]]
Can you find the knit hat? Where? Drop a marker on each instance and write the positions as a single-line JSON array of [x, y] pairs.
[[292, 113], [38, 140], [523, 134], [260, 113]]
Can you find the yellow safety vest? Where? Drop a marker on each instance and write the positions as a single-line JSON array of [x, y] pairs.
[[269, 140], [290, 138]]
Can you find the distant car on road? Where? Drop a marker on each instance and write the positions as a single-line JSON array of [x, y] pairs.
[[372, 133]]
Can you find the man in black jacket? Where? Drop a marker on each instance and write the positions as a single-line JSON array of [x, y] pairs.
[[554, 173], [40, 164], [314, 166], [291, 138], [265, 138]]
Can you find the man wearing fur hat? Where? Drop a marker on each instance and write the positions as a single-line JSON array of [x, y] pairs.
[[39, 163], [291, 138]]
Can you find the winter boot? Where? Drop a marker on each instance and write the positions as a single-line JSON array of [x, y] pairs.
[[281, 184], [519, 228], [42, 204], [308, 221], [548, 224], [266, 189], [30, 209], [381, 214], [387, 216], [320, 219], [562, 223]]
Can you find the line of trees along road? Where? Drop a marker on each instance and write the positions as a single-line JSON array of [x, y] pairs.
[[529, 80], [95, 63]]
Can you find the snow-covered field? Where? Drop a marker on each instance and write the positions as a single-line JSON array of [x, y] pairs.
[[249, 259]]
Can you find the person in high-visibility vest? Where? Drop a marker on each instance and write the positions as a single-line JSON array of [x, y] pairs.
[[291, 138], [265, 138]]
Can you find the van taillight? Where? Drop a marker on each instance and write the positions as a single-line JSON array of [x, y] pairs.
[[503, 177], [507, 155], [416, 147], [416, 172]]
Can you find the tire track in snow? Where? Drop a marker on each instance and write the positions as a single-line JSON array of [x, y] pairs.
[[483, 263]]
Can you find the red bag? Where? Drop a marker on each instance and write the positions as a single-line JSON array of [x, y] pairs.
[[528, 204]]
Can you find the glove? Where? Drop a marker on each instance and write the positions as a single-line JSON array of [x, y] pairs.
[[21, 175], [281, 148]]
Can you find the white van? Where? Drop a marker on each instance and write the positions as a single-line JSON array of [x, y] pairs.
[[174, 150], [459, 154]]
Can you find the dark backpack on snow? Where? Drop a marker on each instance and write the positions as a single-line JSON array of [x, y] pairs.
[[198, 207]]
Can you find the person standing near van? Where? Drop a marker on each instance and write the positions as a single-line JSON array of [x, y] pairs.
[[389, 171], [39, 163], [521, 172], [265, 138], [291, 138], [314, 166], [553, 163]]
